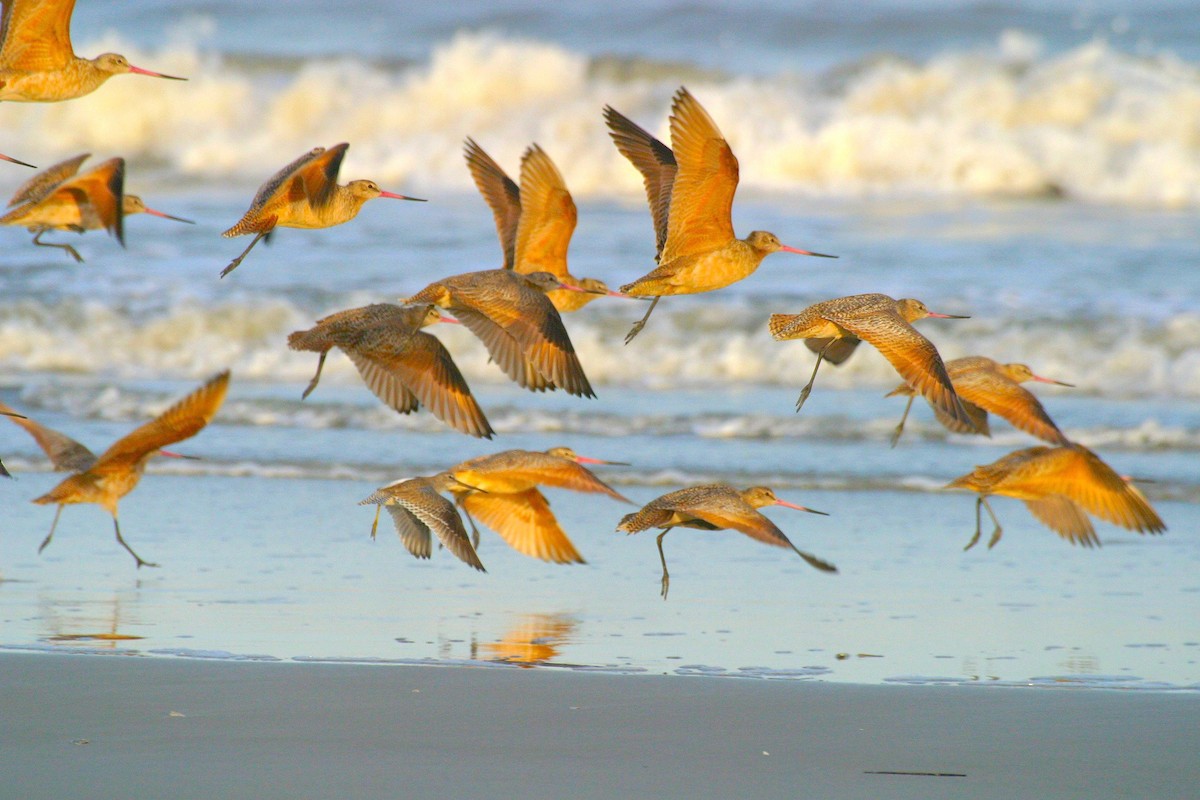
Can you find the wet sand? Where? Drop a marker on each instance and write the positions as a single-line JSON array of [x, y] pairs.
[[112, 726]]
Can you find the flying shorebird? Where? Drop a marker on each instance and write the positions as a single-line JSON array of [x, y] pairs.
[[883, 322], [985, 385], [55, 199], [1060, 485], [59, 199], [690, 187], [534, 221], [37, 62], [501, 490], [417, 508], [306, 194], [404, 366], [717, 507], [119, 468], [15, 161], [517, 323]]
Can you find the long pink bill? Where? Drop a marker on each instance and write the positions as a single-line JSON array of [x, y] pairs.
[[140, 71], [173, 454], [13, 414], [16, 161], [155, 213], [395, 196], [1040, 379], [586, 460], [798, 251], [949, 316], [786, 504], [449, 320]]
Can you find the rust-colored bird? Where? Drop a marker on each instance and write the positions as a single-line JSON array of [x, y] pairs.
[[690, 187], [417, 508], [15, 161], [534, 221], [717, 507], [883, 322], [119, 468], [37, 62], [504, 497], [59, 199], [404, 366], [66, 454], [517, 323], [985, 385], [1061, 485], [306, 194]]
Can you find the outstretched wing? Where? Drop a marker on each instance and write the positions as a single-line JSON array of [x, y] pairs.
[[181, 421], [654, 160], [44, 182], [64, 453], [547, 218], [524, 520], [501, 195], [35, 35], [702, 195]]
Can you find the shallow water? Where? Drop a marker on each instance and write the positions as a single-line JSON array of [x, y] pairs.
[[1043, 183]]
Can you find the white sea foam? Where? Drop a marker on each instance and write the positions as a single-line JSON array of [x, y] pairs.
[[1092, 122], [693, 347]]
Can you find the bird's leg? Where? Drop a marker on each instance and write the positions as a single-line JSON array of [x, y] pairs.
[[975, 538], [53, 525], [313, 383], [375, 524], [808, 386], [637, 326], [140, 562], [666, 578], [474, 530], [233, 264], [900, 428], [37, 239], [996, 533]]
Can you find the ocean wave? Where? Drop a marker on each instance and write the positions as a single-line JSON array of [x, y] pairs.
[[1092, 123], [690, 345]]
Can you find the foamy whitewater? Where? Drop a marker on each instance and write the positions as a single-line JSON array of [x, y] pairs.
[[1036, 170]]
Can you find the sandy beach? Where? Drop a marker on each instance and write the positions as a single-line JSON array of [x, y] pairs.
[[99, 727]]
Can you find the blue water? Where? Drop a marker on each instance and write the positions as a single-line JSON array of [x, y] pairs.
[[1031, 167]]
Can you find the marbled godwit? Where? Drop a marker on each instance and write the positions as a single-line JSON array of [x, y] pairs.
[[15, 161], [1060, 485], [37, 62], [690, 187], [985, 385], [306, 194], [66, 454], [535, 221], [119, 468], [506, 499], [59, 199], [883, 322], [417, 508], [517, 323], [717, 507], [401, 364]]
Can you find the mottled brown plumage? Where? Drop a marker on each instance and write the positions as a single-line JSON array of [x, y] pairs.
[[517, 323], [417, 508], [404, 366], [119, 468], [305, 194], [717, 507], [1061, 485], [37, 62], [58, 198], [885, 323], [504, 497], [690, 188], [983, 386]]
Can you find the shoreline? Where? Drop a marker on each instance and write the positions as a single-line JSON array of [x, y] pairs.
[[76, 725]]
